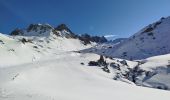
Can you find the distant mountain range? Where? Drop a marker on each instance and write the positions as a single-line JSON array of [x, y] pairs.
[[62, 30]]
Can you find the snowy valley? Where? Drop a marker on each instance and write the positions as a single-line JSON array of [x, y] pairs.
[[46, 63]]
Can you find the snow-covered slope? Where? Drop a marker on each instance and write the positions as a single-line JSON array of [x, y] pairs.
[[64, 78], [150, 41], [46, 63], [153, 72], [23, 49], [104, 48]]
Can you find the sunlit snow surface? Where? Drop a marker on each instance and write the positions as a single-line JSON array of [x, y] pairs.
[[52, 71], [64, 78]]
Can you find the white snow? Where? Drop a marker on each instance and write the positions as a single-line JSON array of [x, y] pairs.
[[160, 66], [46, 67], [14, 52], [64, 78]]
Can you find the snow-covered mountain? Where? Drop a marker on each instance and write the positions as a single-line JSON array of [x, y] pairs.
[[18, 49], [36, 42], [44, 30], [150, 41], [34, 30], [46, 63]]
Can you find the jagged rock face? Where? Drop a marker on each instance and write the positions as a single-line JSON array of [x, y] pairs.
[[62, 27], [39, 27], [98, 39], [34, 30], [45, 30], [86, 38], [38, 30], [17, 32], [64, 31]]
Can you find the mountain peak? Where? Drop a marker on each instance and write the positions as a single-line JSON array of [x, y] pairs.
[[37, 27], [17, 31], [62, 27], [61, 30], [34, 30], [64, 31]]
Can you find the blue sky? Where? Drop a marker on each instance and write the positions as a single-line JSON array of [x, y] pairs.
[[120, 18]]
